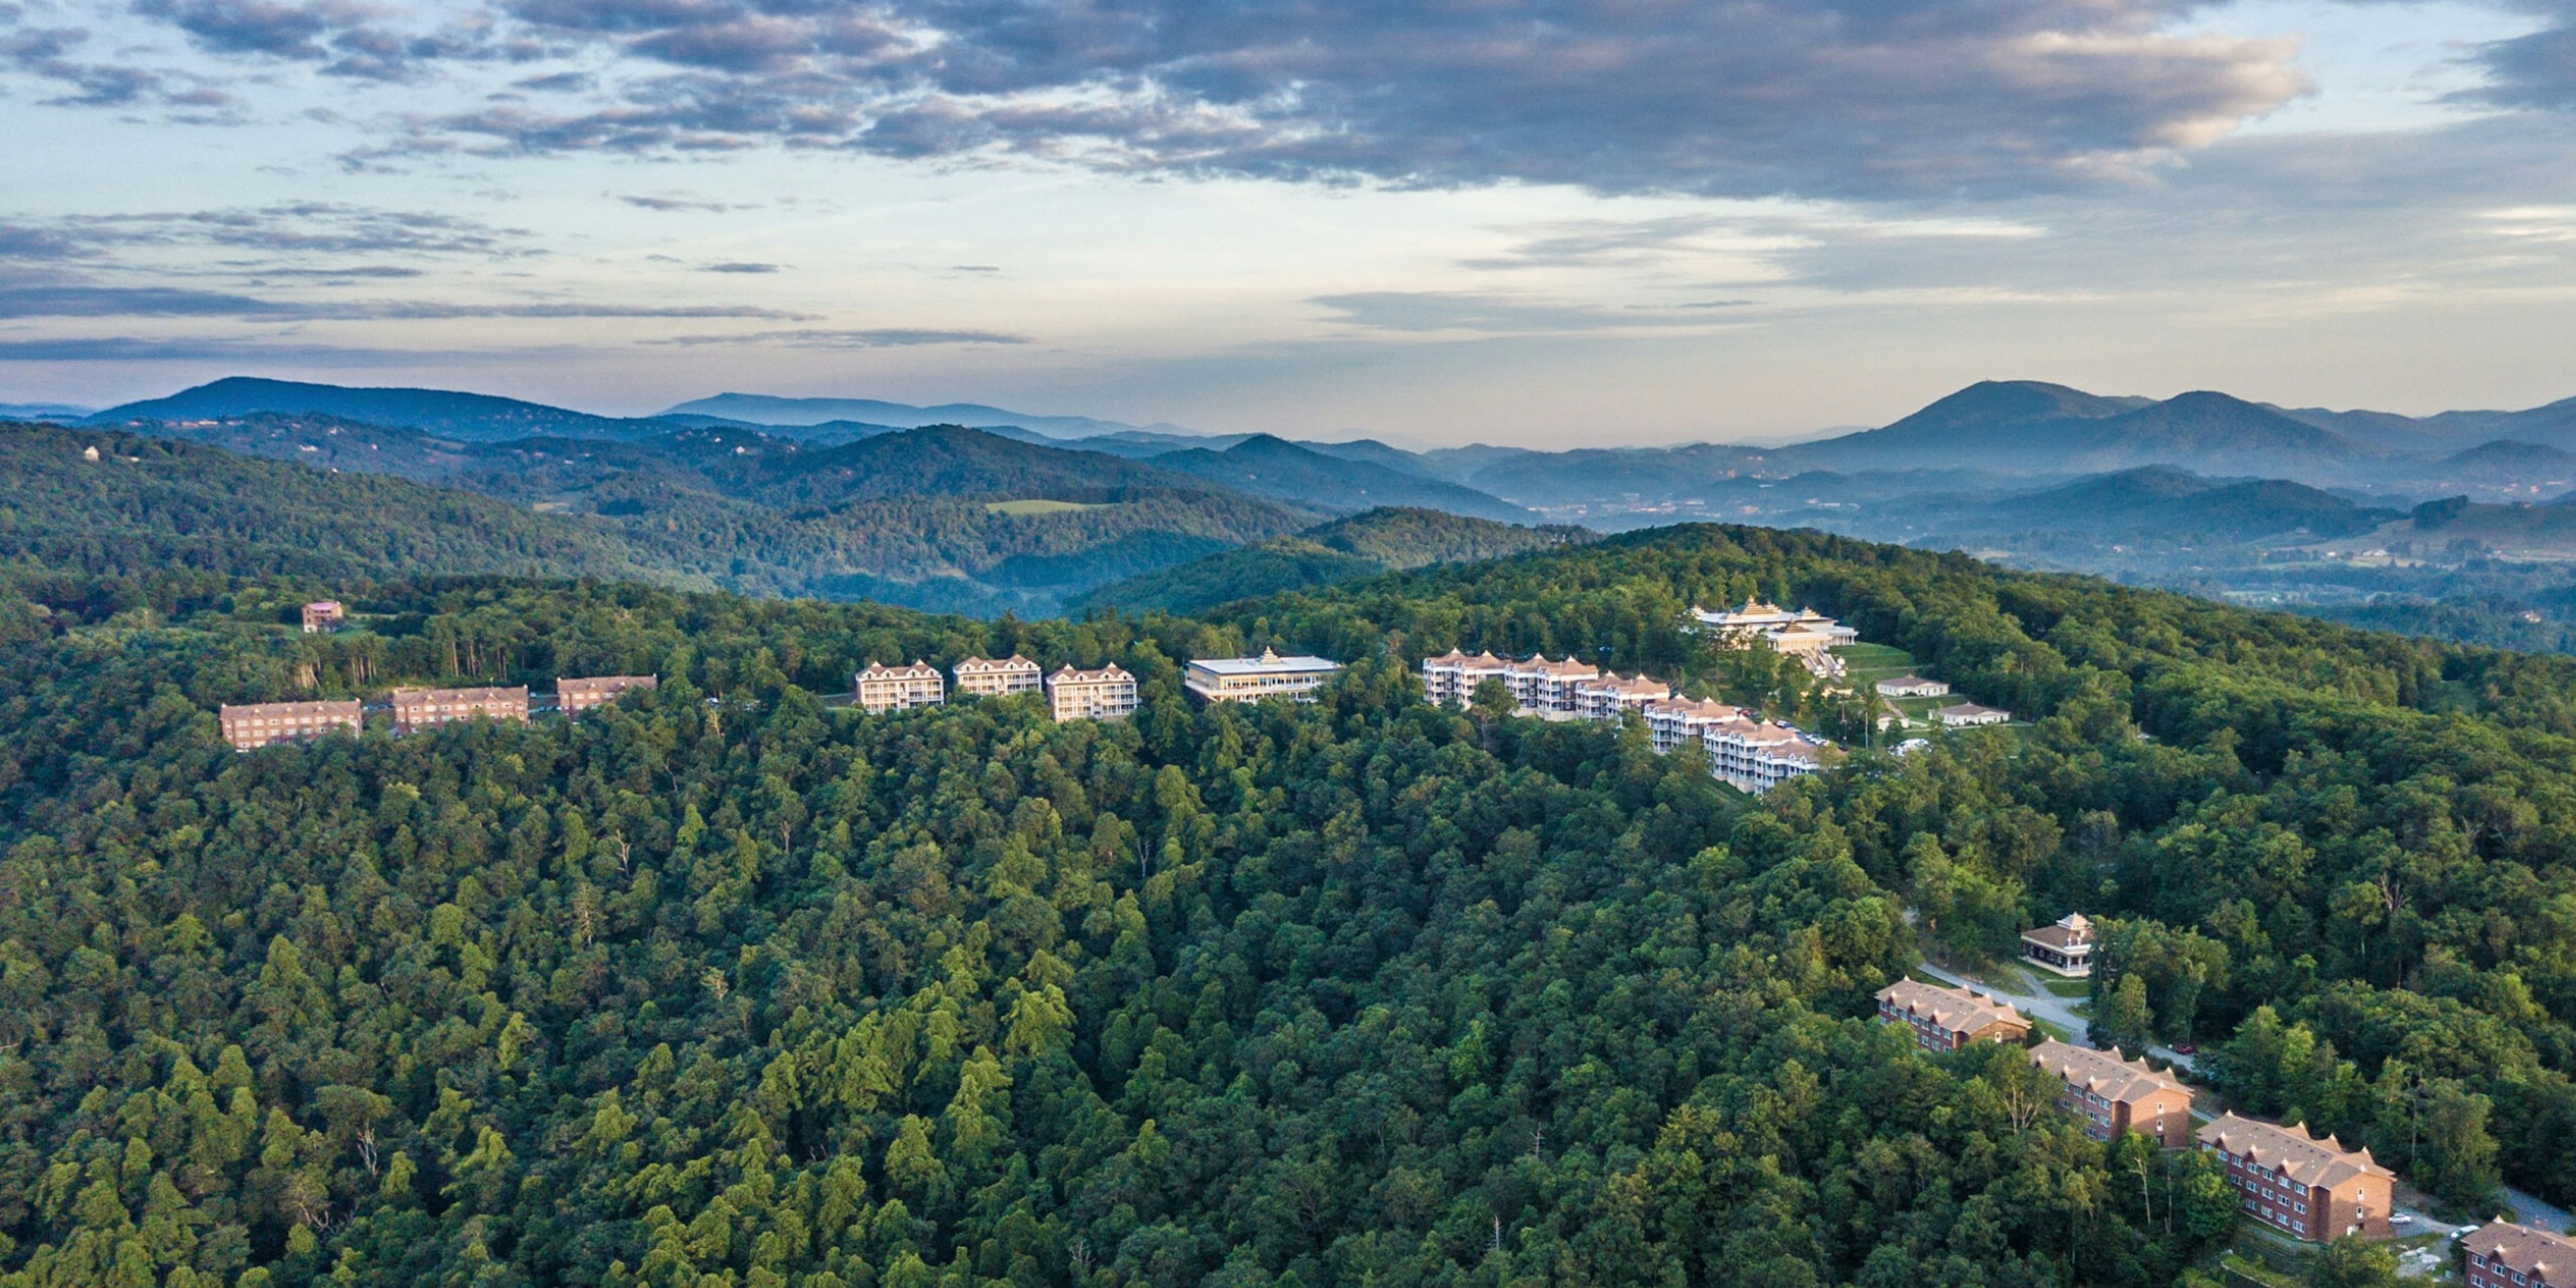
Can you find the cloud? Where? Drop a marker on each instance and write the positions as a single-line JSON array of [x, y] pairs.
[[125, 348], [55, 300], [1841, 99], [2537, 70], [1490, 314], [685, 201], [888, 338], [739, 266]]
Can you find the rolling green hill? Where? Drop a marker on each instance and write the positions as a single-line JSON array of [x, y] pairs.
[[1343, 550]]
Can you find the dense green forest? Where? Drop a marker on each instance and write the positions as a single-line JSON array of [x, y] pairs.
[[727, 985], [905, 518], [2360, 839], [1363, 545]]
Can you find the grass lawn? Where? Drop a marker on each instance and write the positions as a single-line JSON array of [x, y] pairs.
[[1037, 507], [1870, 663], [2064, 987]]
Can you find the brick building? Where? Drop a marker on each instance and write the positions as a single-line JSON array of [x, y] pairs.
[[574, 696], [900, 688], [2304, 1187], [1946, 1019], [417, 709], [323, 615], [2113, 1095], [252, 726], [2506, 1255], [985, 677], [1106, 694]]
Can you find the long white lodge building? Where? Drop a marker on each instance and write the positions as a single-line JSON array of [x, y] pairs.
[[1753, 754]]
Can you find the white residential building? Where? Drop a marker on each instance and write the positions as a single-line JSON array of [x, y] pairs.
[[1675, 721], [986, 677], [1250, 679], [1543, 686], [1912, 686], [1610, 696], [1451, 678], [1968, 715], [900, 688], [1106, 694]]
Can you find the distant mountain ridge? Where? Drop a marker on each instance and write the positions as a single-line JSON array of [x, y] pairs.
[[764, 409], [474, 417], [1274, 467]]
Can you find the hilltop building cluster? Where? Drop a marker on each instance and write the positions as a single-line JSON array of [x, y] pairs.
[[1106, 693], [1750, 753], [2293, 1182], [251, 726], [1807, 635]]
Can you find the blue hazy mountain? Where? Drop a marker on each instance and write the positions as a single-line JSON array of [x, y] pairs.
[[763, 409]]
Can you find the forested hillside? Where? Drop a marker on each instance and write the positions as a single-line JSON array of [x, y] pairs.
[[1344, 550], [729, 985], [946, 518], [2352, 847]]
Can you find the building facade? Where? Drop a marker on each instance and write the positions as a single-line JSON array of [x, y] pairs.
[[1542, 687], [1451, 678], [1106, 694], [1611, 696], [1946, 1019], [899, 688], [2065, 948], [1757, 755], [2502, 1254], [2304, 1187], [1806, 634], [417, 709], [985, 677], [259, 724], [574, 695], [1968, 715], [1912, 686], [324, 615], [2112, 1095], [1250, 679], [1674, 722]]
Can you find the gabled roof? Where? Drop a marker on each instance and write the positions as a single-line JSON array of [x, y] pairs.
[[1955, 1009], [2291, 1150], [1014, 662], [2546, 1257], [1073, 675], [2073, 930], [2104, 1073], [919, 670], [1972, 709]]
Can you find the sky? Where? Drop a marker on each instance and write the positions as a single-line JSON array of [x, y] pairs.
[[1546, 223]]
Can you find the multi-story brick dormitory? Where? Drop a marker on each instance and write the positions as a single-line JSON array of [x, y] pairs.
[[988, 678], [2112, 1095], [252, 726], [2506, 1255], [899, 688], [1946, 1019], [574, 695], [2304, 1187], [417, 709]]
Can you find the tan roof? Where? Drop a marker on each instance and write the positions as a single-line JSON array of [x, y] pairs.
[[916, 671], [414, 697], [1014, 662], [1071, 675], [2071, 931], [1616, 683], [2103, 1073], [1955, 1009], [2547, 1257], [1567, 669], [1973, 709], [1694, 709], [598, 683], [2295, 1154], [1796, 749]]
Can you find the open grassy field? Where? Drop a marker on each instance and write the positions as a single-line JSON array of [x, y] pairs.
[[1037, 507]]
